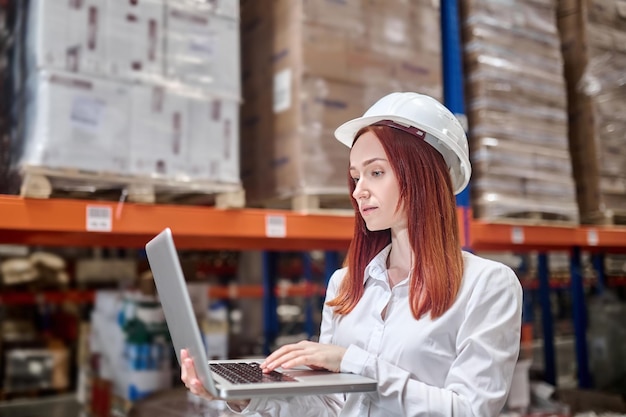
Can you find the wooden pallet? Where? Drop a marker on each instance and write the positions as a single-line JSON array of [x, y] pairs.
[[528, 218], [40, 182], [606, 218], [335, 204]]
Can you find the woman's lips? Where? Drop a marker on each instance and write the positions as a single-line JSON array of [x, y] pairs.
[[367, 210]]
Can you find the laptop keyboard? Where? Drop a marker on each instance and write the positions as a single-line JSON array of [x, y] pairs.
[[247, 373]]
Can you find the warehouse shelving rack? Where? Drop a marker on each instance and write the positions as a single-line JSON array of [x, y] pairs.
[[82, 223]]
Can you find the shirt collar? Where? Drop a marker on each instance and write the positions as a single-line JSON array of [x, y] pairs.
[[378, 266]]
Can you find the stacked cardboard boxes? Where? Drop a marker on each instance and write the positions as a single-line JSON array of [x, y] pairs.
[[517, 111], [309, 66], [593, 34], [140, 89]]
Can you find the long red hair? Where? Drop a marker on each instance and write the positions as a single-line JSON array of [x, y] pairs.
[[428, 198]]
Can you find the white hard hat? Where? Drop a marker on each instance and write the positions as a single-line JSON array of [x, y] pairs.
[[443, 130]]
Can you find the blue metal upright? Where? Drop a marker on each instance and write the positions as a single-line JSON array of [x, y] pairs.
[[307, 272], [527, 301], [546, 319], [598, 265], [453, 96], [580, 319], [331, 264], [270, 303]]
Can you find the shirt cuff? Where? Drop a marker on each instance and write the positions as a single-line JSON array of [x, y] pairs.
[[354, 360]]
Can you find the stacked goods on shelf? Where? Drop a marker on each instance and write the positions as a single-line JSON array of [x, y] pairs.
[[615, 265], [140, 93], [593, 34], [35, 350], [309, 66], [517, 112], [130, 354]]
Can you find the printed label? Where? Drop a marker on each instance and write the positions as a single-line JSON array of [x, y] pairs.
[[592, 237], [282, 90], [99, 219], [517, 235], [87, 113], [275, 225]]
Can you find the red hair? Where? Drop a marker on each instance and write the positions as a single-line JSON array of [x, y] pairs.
[[427, 194]]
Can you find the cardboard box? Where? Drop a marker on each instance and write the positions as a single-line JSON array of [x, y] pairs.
[[77, 122], [158, 143], [223, 8], [594, 62], [309, 67], [516, 106], [202, 50], [135, 36], [214, 140], [67, 35]]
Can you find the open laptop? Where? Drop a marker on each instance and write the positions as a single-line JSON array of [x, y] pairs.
[[230, 379]]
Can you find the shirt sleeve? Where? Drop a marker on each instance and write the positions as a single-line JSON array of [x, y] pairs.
[[311, 405], [487, 348]]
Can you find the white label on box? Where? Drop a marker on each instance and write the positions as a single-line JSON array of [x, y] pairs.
[[203, 46], [275, 226], [99, 219], [87, 112], [282, 90]]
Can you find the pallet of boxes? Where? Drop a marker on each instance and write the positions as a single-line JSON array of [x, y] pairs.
[[593, 34], [129, 99], [309, 66], [517, 111]]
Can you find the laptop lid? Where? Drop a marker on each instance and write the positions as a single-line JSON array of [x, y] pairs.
[[176, 303], [185, 333]]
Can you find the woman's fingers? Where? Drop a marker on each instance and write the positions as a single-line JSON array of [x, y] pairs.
[[314, 355], [190, 378]]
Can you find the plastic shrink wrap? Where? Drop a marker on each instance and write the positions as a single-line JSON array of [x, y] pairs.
[[517, 111], [124, 92]]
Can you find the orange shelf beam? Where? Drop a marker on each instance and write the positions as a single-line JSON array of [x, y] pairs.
[[496, 236], [61, 222], [64, 222]]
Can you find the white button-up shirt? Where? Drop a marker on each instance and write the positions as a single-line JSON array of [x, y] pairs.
[[460, 364]]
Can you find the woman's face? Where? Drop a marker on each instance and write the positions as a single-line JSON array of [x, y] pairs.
[[377, 192]]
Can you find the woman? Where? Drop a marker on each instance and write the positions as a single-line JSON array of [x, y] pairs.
[[438, 328]]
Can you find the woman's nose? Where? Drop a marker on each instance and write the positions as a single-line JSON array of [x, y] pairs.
[[360, 191]]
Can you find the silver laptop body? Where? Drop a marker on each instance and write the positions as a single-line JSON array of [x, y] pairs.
[[185, 333]]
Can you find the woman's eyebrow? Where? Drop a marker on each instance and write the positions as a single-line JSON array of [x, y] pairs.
[[369, 161]]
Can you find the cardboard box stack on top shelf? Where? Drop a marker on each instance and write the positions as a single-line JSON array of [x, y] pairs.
[[310, 66], [593, 34], [517, 111], [145, 89]]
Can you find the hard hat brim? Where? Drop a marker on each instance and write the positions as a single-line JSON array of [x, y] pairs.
[[347, 131]]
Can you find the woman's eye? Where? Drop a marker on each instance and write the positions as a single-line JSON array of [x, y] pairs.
[[355, 180], [377, 173]]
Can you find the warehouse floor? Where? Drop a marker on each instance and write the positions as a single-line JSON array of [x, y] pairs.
[[61, 406]]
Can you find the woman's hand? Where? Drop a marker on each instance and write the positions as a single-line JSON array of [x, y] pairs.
[[311, 354], [192, 382]]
